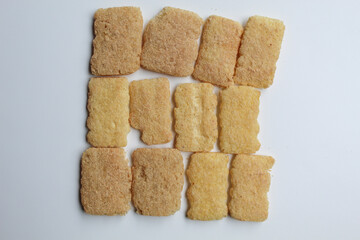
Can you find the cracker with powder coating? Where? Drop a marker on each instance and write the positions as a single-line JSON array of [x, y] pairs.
[[239, 109], [195, 119], [170, 42], [108, 106], [150, 110], [259, 52], [219, 47], [208, 182], [105, 181], [117, 42], [250, 182], [158, 179]]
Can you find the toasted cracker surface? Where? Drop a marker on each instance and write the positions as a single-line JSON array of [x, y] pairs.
[[195, 119], [105, 181], [219, 47], [259, 52], [117, 42], [208, 182], [108, 106], [150, 110], [250, 182], [170, 42], [158, 179], [239, 109]]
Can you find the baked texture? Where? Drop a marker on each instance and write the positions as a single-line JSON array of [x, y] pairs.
[[117, 42], [108, 107], [219, 47], [195, 119], [259, 52], [170, 42], [239, 109], [250, 182], [105, 181], [150, 110], [158, 179], [208, 182]]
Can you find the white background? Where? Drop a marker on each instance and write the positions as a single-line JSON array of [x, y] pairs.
[[309, 121]]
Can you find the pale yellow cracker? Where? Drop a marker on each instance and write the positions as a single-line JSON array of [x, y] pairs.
[[170, 42], [158, 179], [117, 42], [195, 119], [208, 182], [150, 110], [250, 182], [259, 52], [239, 109], [108, 106], [219, 47], [105, 181]]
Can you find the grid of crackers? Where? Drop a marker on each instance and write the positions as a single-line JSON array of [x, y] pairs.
[[238, 60]]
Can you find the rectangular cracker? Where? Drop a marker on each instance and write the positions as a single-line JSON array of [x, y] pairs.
[[195, 119], [250, 182], [208, 182], [170, 42], [158, 179], [219, 47], [108, 107], [105, 181], [239, 109], [150, 110], [259, 52], [117, 42]]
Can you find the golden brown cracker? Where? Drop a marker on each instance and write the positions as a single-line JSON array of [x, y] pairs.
[[259, 52], [150, 110], [219, 47], [195, 119], [250, 182], [239, 109], [105, 181], [208, 182], [158, 179], [108, 106], [117, 42], [170, 42]]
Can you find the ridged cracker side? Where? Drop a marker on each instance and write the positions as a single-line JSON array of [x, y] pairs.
[[219, 47], [170, 42], [259, 52], [108, 106], [150, 110], [239, 109], [105, 181], [195, 119], [208, 182], [158, 179], [117, 42], [250, 183]]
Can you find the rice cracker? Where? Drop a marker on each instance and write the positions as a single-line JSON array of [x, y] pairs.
[[208, 182], [219, 47], [250, 182], [108, 106], [117, 42], [170, 42], [105, 181], [158, 179], [195, 119], [150, 110], [239, 109], [259, 52]]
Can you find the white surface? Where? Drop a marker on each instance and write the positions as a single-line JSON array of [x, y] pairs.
[[309, 122]]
